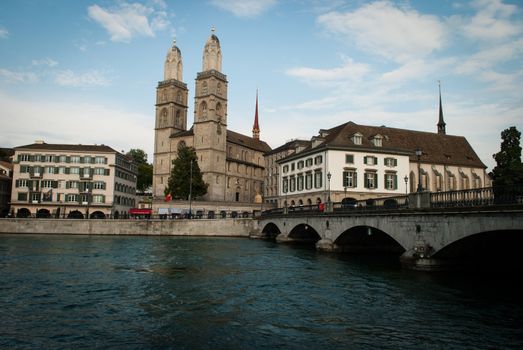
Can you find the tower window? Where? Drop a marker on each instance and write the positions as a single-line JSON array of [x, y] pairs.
[[205, 89]]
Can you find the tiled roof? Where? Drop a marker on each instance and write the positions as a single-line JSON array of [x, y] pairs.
[[289, 145], [67, 147], [436, 148], [247, 141], [6, 165]]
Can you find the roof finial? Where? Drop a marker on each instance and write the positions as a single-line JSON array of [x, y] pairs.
[[174, 41], [213, 29]]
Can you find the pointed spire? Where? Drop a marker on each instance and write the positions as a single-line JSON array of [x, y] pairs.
[[256, 126], [441, 122]]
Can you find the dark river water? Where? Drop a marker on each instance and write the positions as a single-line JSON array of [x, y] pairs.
[[223, 293]]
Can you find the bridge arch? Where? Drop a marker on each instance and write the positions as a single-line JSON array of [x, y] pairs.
[[271, 230], [492, 249], [367, 239], [304, 234]]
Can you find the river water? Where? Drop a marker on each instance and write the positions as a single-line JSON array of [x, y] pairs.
[[63, 292]]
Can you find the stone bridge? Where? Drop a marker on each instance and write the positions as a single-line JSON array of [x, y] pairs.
[[428, 239]]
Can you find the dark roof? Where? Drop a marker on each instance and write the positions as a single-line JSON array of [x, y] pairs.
[[289, 145], [436, 148], [67, 147], [247, 141], [189, 132], [6, 165]]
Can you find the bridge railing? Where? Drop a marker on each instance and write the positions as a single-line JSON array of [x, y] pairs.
[[373, 204], [479, 197]]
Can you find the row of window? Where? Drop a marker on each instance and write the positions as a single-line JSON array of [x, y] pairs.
[[82, 186], [349, 159], [37, 197], [370, 180], [85, 172], [301, 164], [376, 140], [124, 175], [124, 188], [46, 158], [301, 181]]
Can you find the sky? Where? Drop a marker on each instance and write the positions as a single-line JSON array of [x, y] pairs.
[[86, 71]]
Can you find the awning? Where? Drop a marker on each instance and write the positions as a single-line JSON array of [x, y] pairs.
[[140, 211], [163, 211]]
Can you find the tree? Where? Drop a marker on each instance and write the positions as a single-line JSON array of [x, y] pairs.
[[509, 169], [145, 170], [179, 183]]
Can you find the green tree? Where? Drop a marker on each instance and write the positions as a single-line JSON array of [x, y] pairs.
[[509, 169], [179, 183], [145, 170]]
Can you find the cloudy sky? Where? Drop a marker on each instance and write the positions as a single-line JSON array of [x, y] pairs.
[[86, 71]]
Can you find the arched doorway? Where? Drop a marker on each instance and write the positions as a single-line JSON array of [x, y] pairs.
[[75, 214], [23, 213], [43, 213], [97, 215]]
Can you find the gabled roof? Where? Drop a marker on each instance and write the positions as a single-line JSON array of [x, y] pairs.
[[67, 147], [6, 165], [437, 148], [247, 141]]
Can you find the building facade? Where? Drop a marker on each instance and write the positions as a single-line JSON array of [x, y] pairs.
[[232, 164], [358, 162], [75, 181], [6, 179]]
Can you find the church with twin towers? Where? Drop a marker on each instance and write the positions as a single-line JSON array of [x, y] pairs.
[[231, 164]]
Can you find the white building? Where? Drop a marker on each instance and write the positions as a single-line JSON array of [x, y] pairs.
[[372, 162], [57, 180]]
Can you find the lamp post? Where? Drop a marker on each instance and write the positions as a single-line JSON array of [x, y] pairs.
[[87, 199], [406, 178], [190, 191], [285, 190], [329, 192], [418, 155]]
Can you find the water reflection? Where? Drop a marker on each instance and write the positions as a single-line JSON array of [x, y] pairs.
[[203, 293]]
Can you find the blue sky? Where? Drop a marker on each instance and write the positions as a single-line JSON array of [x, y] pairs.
[[86, 71]]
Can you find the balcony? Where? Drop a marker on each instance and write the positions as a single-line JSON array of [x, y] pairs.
[[36, 175]]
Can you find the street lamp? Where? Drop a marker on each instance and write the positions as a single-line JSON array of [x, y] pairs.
[[285, 190], [406, 178], [190, 192], [329, 193], [418, 156]]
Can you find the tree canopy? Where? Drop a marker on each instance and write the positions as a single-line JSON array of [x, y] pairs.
[[509, 169], [179, 183], [145, 170]]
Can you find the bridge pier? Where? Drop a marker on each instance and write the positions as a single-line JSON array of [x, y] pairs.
[[325, 245]]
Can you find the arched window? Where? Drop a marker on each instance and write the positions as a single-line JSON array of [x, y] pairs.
[[203, 109], [219, 109], [219, 88], [204, 88], [179, 97], [177, 118], [163, 120]]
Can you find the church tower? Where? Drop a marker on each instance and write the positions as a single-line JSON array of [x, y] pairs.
[[171, 117], [441, 122], [210, 119]]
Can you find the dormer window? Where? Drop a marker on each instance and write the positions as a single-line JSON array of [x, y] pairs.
[[357, 138], [377, 140]]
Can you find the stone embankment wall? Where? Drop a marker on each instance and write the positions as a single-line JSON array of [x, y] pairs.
[[219, 227]]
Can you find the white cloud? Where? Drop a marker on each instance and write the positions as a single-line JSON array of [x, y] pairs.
[[4, 34], [383, 29], [44, 62], [88, 79], [244, 8], [349, 71], [492, 21], [129, 20], [490, 56], [22, 123], [18, 77]]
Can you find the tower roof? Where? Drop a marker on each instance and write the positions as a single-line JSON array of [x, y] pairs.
[[256, 126], [212, 53], [173, 68], [441, 122]]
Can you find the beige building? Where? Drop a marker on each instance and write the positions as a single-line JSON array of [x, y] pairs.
[[6, 179], [75, 181], [232, 164]]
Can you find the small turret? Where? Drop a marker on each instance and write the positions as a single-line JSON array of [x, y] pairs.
[[441, 122]]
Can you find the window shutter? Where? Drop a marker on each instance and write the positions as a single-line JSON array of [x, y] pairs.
[[355, 179], [375, 160], [365, 160], [395, 182], [395, 162], [385, 181], [54, 184], [68, 159], [107, 171], [376, 180]]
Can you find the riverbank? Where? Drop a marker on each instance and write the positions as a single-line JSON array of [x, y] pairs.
[[218, 227]]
